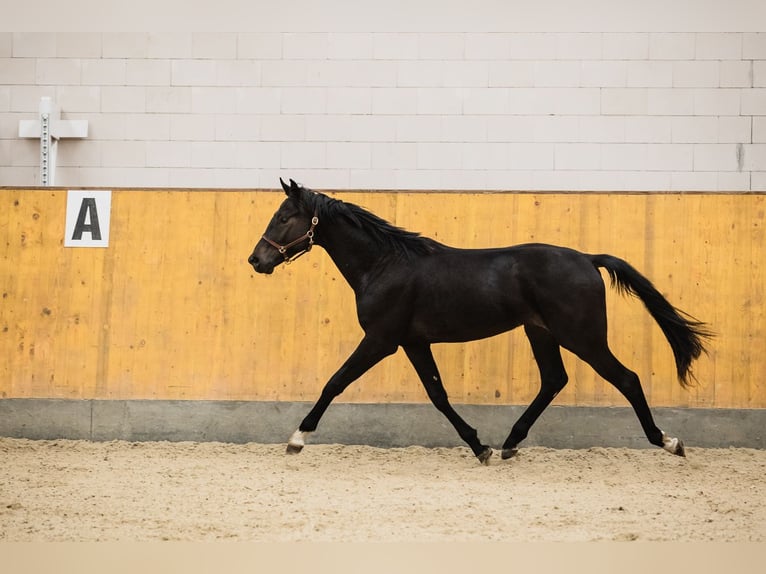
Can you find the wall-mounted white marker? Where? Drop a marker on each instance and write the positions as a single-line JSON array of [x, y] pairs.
[[50, 128]]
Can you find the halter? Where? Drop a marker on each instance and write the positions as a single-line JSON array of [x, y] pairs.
[[283, 248]]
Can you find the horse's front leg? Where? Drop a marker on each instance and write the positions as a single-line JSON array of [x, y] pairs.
[[423, 360], [367, 354]]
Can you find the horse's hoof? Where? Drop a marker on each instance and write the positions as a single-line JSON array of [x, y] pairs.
[[673, 445], [509, 453], [484, 456], [297, 442]]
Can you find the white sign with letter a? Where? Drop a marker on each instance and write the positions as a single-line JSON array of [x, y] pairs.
[[87, 218]]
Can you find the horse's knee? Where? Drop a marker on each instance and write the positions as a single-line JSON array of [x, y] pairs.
[[333, 388], [556, 382]]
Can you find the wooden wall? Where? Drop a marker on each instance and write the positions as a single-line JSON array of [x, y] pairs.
[[171, 310]]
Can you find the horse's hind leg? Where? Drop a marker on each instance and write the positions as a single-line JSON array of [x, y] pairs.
[[423, 360], [628, 383], [553, 378]]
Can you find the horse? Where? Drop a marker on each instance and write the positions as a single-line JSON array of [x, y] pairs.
[[412, 291]]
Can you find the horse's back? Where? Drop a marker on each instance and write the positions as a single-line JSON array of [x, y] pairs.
[[527, 262]]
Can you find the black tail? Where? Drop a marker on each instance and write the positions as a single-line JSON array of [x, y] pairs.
[[685, 334]]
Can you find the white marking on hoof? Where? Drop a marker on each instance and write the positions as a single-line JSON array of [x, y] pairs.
[[672, 445], [297, 442]]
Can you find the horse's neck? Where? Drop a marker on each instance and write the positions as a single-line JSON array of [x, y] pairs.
[[354, 254]]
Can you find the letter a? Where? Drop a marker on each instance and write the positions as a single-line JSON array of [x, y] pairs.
[[87, 211]]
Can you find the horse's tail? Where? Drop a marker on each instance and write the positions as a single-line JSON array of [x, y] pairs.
[[685, 334]]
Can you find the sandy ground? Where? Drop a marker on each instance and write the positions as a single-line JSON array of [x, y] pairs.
[[119, 491]]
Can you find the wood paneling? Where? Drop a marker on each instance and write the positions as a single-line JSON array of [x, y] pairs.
[[171, 310]]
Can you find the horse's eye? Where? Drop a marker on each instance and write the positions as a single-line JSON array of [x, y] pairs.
[[283, 219]]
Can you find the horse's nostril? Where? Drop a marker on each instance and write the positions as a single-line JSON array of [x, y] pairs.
[[252, 260]]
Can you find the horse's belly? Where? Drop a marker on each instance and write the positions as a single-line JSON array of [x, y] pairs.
[[463, 325], [478, 296]]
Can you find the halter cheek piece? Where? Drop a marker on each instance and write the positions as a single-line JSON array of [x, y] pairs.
[[283, 248]]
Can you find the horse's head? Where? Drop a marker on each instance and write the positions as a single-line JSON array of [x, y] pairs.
[[290, 232]]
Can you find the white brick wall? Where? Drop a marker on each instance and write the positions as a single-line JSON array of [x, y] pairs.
[[332, 106]]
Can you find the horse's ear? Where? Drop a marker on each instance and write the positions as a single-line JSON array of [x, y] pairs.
[[285, 186]]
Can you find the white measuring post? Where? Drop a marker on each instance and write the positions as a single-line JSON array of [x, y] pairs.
[[50, 128]]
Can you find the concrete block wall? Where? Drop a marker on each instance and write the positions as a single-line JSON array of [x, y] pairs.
[[474, 110]]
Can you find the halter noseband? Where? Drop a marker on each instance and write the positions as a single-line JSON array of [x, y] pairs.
[[283, 248]]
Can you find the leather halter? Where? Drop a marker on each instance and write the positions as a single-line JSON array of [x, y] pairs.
[[283, 248]]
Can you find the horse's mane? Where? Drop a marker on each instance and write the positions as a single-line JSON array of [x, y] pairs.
[[388, 236]]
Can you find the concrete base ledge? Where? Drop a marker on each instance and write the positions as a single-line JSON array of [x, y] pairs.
[[383, 425]]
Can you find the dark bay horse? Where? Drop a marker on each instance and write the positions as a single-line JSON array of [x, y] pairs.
[[412, 291]]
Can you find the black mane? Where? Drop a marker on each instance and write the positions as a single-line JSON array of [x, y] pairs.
[[388, 236]]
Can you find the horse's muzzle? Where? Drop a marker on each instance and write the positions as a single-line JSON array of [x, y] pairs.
[[260, 266]]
